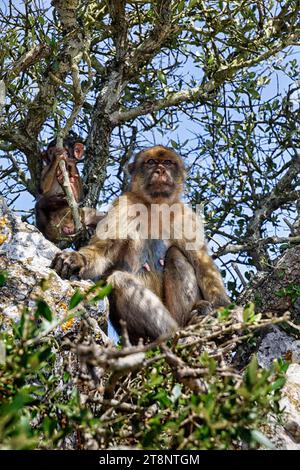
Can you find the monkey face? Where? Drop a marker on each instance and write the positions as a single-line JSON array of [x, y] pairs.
[[157, 174], [75, 151], [70, 154]]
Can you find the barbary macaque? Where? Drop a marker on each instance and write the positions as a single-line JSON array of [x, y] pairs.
[[162, 278], [53, 214]]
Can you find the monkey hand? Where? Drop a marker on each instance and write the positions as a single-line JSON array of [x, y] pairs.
[[58, 154], [68, 263]]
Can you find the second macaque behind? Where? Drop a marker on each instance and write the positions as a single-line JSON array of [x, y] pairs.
[[53, 215]]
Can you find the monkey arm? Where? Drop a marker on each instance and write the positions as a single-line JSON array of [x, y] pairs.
[[208, 277], [89, 262], [94, 259], [49, 173], [48, 176], [97, 260]]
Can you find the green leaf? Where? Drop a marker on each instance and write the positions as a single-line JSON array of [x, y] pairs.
[[104, 292], [3, 278], [18, 402], [193, 3], [41, 20], [76, 299], [161, 77], [180, 6], [251, 372], [43, 310], [279, 383], [255, 94], [249, 312]]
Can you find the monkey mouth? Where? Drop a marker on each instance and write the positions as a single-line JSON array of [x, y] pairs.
[[68, 230], [158, 187], [159, 190], [162, 180]]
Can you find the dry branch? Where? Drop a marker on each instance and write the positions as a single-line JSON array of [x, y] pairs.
[[70, 197]]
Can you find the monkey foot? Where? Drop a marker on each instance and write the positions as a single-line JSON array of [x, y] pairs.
[[203, 307]]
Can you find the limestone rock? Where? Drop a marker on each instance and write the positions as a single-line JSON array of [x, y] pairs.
[[277, 344], [290, 403], [25, 255], [286, 436]]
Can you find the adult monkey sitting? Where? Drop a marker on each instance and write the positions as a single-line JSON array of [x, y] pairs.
[[157, 300]]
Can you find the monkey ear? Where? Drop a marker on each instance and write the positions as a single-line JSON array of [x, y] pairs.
[[131, 168], [78, 150]]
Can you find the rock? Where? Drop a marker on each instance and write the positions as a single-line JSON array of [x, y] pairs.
[[286, 435], [277, 344], [290, 403], [20, 241], [25, 257]]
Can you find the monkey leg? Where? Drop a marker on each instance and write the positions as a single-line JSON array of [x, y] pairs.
[[141, 309], [181, 293]]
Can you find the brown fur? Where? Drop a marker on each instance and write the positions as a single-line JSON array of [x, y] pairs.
[[152, 302], [53, 215]]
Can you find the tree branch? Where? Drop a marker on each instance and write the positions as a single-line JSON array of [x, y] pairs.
[[119, 28], [70, 197], [202, 92], [279, 195], [238, 248], [40, 51], [161, 31]]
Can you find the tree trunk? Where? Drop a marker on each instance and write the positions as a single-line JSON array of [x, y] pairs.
[[98, 141], [276, 291], [97, 154]]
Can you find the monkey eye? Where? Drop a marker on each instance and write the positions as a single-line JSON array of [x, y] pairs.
[[150, 162], [168, 162]]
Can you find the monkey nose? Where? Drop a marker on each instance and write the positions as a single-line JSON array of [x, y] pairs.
[[160, 170]]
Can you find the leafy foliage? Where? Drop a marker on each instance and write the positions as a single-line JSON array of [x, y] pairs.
[[222, 417], [39, 404], [209, 407]]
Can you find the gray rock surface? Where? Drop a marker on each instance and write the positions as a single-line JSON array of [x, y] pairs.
[[286, 435], [25, 255], [277, 344]]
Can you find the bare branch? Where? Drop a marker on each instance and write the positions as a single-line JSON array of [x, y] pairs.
[[202, 92], [252, 245], [38, 52], [20, 173], [154, 41], [2, 97], [119, 28], [70, 197]]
